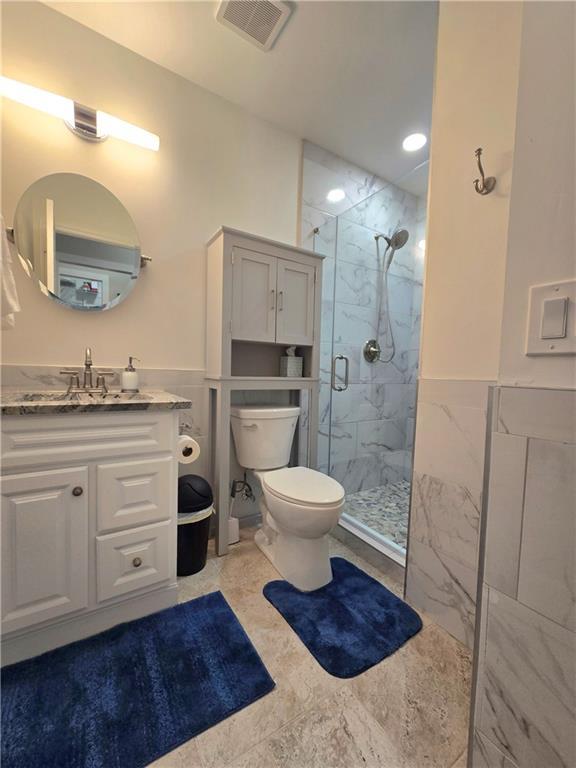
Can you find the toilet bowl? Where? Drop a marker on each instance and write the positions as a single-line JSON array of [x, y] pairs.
[[299, 506]]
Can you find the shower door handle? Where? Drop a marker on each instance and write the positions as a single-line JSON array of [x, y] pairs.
[[337, 387]]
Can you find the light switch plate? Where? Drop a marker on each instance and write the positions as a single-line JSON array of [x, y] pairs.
[[551, 322]]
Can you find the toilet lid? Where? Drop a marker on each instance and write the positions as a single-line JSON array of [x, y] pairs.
[[304, 486]]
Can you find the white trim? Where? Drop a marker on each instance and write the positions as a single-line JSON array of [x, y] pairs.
[[379, 542]]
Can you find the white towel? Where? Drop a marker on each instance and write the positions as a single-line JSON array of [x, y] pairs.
[[9, 303]]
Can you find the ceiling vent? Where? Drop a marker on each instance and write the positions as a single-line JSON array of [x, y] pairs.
[[258, 21]]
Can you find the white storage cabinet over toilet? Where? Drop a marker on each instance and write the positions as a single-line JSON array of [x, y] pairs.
[[89, 504], [262, 297], [272, 299]]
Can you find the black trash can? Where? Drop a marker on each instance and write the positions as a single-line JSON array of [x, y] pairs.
[[194, 512]]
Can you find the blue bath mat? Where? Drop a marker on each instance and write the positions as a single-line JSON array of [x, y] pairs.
[[125, 697], [350, 624]]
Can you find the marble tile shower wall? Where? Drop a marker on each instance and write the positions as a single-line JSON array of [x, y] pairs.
[[371, 423], [186, 383], [442, 567], [525, 713]]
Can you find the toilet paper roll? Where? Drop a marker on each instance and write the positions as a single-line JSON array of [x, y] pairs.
[[187, 449]]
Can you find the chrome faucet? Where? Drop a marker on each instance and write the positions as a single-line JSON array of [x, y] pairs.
[[87, 379], [88, 369]]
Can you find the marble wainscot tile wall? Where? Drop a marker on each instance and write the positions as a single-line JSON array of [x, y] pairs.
[[442, 567], [185, 383], [366, 432], [525, 706]]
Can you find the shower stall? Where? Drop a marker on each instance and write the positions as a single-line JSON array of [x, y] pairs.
[[369, 360]]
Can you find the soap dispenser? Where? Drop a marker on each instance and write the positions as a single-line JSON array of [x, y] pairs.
[[130, 377]]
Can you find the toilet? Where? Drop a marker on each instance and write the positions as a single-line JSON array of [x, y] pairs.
[[299, 506]]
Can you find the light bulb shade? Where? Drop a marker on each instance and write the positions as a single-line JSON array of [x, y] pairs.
[[44, 101], [84, 121], [108, 125]]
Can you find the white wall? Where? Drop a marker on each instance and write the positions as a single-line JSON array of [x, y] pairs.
[[474, 105], [475, 97], [542, 244], [216, 164]]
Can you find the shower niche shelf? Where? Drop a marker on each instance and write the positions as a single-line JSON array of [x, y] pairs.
[[262, 297]]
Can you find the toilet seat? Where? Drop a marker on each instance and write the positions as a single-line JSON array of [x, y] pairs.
[[303, 486]]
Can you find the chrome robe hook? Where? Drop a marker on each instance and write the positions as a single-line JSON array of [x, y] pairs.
[[486, 184]]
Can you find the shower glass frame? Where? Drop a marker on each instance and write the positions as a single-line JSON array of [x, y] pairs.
[[366, 431]]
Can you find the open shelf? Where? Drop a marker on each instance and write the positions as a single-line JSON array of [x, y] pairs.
[[256, 359]]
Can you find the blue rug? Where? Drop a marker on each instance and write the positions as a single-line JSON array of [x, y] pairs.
[[350, 624], [125, 697]]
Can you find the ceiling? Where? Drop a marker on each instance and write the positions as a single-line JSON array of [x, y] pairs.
[[354, 77]]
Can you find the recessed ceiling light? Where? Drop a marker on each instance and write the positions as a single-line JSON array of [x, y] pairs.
[[413, 142], [335, 195], [422, 245]]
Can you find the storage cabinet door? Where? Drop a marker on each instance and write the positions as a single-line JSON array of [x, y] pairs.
[[44, 545], [254, 296], [295, 317]]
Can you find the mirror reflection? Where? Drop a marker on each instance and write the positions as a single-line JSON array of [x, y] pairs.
[[77, 239]]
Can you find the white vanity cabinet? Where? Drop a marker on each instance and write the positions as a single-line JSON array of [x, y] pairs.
[[272, 298], [89, 505]]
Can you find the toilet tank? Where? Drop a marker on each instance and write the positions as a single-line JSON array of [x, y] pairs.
[[263, 435]]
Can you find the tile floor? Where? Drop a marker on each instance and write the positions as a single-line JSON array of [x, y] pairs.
[[383, 509], [409, 711]]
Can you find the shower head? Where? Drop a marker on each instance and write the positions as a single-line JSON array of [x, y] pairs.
[[398, 239], [395, 241]]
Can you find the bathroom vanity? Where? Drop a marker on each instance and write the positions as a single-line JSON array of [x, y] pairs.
[[89, 505]]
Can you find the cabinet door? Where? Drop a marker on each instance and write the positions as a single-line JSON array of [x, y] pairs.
[[295, 317], [254, 296], [44, 545]]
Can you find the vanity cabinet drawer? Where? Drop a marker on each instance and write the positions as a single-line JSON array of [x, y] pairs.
[[131, 493], [56, 439], [130, 560]]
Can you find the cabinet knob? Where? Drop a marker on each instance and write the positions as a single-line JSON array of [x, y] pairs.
[[137, 562], [77, 491]]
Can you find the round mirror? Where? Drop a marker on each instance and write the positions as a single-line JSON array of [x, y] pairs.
[[78, 241]]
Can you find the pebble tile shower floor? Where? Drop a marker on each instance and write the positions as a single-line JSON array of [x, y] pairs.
[[409, 711], [383, 509]]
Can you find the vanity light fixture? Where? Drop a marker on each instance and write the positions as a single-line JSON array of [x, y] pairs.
[[414, 142], [88, 123], [335, 195]]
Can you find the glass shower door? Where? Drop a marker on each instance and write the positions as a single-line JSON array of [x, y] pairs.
[[367, 408]]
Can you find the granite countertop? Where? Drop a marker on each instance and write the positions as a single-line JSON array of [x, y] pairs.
[[24, 403]]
